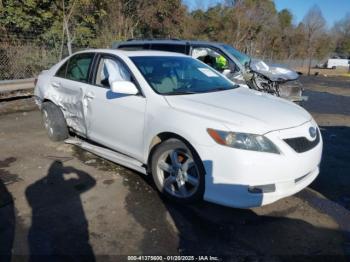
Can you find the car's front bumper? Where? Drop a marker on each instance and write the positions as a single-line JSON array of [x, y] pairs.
[[241, 178]]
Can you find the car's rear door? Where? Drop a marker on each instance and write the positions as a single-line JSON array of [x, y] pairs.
[[115, 120], [70, 84]]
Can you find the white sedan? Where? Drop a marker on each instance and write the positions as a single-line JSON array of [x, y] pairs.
[[198, 134]]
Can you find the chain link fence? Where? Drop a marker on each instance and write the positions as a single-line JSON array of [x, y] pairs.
[[24, 59]]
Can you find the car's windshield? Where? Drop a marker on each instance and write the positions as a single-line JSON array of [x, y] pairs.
[[242, 58], [171, 75]]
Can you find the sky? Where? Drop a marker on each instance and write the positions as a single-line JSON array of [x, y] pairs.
[[332, 10]]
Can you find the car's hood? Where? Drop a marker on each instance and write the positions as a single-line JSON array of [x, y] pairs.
[[273, 72], [242, 109]]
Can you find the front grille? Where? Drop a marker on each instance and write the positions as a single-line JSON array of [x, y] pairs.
[[302, 144]]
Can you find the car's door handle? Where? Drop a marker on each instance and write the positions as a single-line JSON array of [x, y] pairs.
[[89, 95], [56, 84]]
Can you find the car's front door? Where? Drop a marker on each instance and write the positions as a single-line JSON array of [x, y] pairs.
[[115, 120], [209, 56]]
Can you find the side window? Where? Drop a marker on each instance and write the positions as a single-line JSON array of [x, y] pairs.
[[169, 48], [110, 70], [213, 59], [78, 67], [62, 71]]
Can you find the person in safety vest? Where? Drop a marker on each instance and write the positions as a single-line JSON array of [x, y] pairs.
[[221, 63]]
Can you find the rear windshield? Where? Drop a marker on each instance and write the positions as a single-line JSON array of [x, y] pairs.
[[169, 48], [133, 47]]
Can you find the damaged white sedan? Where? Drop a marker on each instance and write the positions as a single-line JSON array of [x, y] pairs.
[[198, 134]]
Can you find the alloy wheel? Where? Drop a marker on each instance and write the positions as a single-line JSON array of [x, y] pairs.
[[178, 173]]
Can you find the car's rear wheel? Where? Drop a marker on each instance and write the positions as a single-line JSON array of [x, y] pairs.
[[178, 171], [54, 122]]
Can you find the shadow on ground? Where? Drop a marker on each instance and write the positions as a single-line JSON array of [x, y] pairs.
[[334, 179], [7, 211], [59, 227], [333, 182]]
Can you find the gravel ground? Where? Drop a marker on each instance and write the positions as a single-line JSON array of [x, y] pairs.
[[57, 199]]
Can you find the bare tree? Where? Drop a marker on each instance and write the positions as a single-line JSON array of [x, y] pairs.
[[314, 23], [67, 14], [341, 34]]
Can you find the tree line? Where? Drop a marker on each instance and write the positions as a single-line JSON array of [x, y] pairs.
[[255, 27]]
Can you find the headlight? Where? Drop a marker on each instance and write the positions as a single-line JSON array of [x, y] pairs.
[[243, 141]]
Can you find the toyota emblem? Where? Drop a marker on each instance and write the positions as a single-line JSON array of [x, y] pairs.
[[312, 132]]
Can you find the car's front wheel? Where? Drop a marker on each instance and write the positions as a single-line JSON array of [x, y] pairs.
[[54, 121], [178, 171]]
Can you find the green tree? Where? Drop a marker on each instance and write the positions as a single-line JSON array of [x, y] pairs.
[[26, 18], [161, 18], [285, 18], [52, 22], [77, 20]]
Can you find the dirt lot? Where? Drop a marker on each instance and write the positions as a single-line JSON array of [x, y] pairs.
[[340, 71], [57, 199]]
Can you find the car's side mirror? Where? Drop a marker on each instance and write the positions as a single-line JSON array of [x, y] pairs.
[[124, 87]]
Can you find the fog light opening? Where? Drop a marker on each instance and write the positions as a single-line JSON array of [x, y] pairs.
[[262, 189]]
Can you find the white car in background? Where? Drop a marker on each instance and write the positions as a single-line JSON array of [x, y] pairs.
[[334, 63], [197, 133]]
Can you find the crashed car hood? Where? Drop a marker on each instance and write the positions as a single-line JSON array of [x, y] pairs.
[[273, 72], [242, 109]]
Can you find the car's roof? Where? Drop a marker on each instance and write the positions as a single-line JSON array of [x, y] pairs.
[[164, 41], [133, 53]]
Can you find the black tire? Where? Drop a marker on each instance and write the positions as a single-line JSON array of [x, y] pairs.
[[196, 169], [54, 122]]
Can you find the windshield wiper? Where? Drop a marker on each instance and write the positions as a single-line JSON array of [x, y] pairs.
[[200, 91], [179, 93], [220, 89]]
